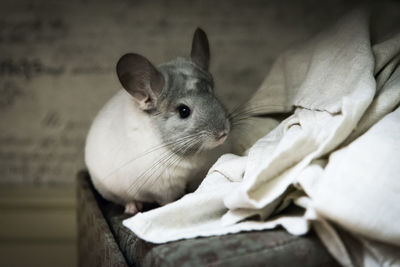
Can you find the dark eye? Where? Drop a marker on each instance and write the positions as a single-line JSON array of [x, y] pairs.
[[184, 111]]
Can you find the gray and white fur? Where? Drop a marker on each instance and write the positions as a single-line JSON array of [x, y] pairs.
[[160, 133]]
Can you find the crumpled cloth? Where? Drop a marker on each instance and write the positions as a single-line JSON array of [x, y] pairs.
[[336, 158]]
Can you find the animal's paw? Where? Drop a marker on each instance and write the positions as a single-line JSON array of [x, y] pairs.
[[133, 207]]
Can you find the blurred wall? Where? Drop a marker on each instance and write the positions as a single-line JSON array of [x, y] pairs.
[[57, 61]]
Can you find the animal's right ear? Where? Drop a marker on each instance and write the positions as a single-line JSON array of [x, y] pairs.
[[141, 79], [200, 53]]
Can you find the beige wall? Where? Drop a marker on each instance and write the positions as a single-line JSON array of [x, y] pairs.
[[37, 227], [57, 64]]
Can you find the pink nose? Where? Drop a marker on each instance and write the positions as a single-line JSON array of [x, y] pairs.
[[221, 135]]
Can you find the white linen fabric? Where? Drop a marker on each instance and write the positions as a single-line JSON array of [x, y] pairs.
[[337, 156]]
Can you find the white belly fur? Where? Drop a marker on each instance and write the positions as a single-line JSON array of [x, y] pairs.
[[120, 171]]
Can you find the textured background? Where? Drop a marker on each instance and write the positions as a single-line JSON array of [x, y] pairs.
[[57, 62]]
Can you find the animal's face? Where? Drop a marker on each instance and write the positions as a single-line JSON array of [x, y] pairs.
[[179, 96], [188, 115]]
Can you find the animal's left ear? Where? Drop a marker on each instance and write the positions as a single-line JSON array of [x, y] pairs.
[[200, 53]]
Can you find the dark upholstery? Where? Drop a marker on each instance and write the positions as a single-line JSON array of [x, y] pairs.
[[96, 243], [264, 248]]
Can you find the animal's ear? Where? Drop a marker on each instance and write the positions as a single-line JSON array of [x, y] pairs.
[[200, 53], [141, 79]]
